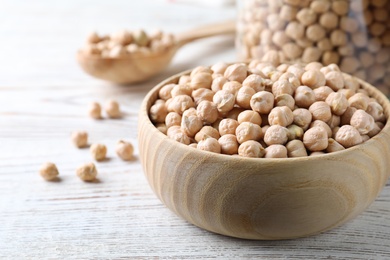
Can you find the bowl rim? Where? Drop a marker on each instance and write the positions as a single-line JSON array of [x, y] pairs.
[[373, 92]]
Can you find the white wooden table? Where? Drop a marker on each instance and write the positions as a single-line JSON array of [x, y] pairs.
[[44, 96]]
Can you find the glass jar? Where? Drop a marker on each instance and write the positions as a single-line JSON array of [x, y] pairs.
[[354, 34]]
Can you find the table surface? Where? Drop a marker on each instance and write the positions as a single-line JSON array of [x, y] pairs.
[[44, 97]]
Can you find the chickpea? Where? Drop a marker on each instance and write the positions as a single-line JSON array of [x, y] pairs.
[[236, 72], [79, 139], [320, 6], [334, 121], [229, 144], [162, 128], [244, 96], [329, 20], [334, 146], [262, 102], [347, 93], [338, 38], [249, 116], [335, 80], [87, 172], [345, 118], [227, 126], [348, 136], [254, 81], [207, 112], [313, 78], [276, 151], [315, 32], [322, 93], [124, 150], [232, 87], [276, 134], [202, 94], [251, 149], [49, 171], [295, 30], [181, 90], [165, 92], [282, 87], [374, 131], [95, 110], [294, 132], [112, 109], [219, 68], [359, 101], [233, 114], [315, 139], [306, 16], [376, 111], [209, 144], [200, 69], [207, 131], [184, 80], [98, 151], [292, 50], [180, 103], [297, 70], [340, 7], [285, 100], [304, 97], [311, 54], [224, 100], [218, 83], [362, 121], [201, 80], [320, 111], [324, 45], [338, 103], [302, 117], [158, 112], [191, 124], [296, 148], [323, 125], [248, 131], [282, 116], [172, 119]]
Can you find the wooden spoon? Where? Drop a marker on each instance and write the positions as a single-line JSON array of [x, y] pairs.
[[139, 67]]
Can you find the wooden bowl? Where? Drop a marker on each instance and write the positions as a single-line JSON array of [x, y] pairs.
[[264, 199]]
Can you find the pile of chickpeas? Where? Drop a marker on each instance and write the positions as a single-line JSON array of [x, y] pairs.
[[126, 43], [355, 34], [261, 110]]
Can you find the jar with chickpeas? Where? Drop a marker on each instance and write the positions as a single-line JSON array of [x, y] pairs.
[[354, 34]]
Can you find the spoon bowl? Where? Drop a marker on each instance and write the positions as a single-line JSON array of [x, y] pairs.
[[139, 67]]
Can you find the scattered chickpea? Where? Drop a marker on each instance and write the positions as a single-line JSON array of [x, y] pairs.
[[124, 150], [112, 109], [49, 171], [229, 144], [79, 139], [209, 144], [95, 110], [348, 136], [362, 121], [87, 172], [232, 86], [275, 151], [296, 148], [315, 139], [251, 149], [98, 151]]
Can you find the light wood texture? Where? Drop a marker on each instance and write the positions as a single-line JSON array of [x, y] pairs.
[[265, 199], [44, 96], [140, 67]]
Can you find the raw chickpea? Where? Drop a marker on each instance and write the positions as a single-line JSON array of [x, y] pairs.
[[233, 114], [296, 148], [249, 116], [345, 118], [87, 172], [227, 126], [201, 80], [315, 32], [202, 94], [376, 111], [323, 125], [311, 54], [322, 93], [165, 92], [254, 81], [219, 68], [162, 128], [98, 151], [351, 83], [112, 109], [329, 20], [158, 112], [334, 121], [313, 78], [302, 117], [320, 6], [229, 144], [294, 132], [276, 134], [362, 121], [251, 149], [79, 139], [306, 16], [335, 80], [200, 69], [340, 7], [218, 83], [262, 102], [95, 110], [180, 103], [232, 87], [330, 57], [117, 52], [280, 38], [191, 124], [207, 131], [90, 49], [207, 112], [375, 130], [209, 144], [334, 131], [244, 96], [297, 70], [184, 80], [304, 97], [349, 64], [359, 101], [292, 50], [181, 90], [282, 116], [320, 111], [124, 150], [285, 100], [334, 146], [288, 13], [295, 30], [325, 45], [338, 38], [292, 78], [315, 139], [365, 138], [236, 72], [175, 133], [282, 87], [248, 131], [276, 151], [49, 171], [224, 100], [347, 93], [338, 103], [172, 119], [348, 136]]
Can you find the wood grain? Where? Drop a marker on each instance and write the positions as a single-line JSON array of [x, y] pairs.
[[267, 199], [44, 96]]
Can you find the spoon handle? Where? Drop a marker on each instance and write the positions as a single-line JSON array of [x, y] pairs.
[[227, 27]]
